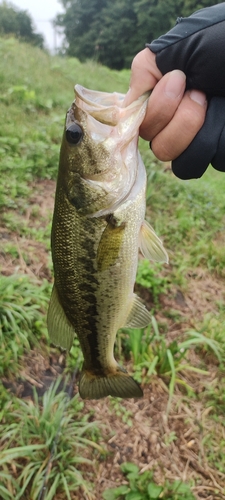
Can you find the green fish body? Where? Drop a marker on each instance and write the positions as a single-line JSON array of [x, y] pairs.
[[98, 227]]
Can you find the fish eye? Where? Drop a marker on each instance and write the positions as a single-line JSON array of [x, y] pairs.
[[74, 133]]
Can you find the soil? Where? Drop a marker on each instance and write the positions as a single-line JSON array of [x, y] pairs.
[[174, 444]]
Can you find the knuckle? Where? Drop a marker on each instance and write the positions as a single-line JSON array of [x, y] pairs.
[[161, 150], [192, 118]]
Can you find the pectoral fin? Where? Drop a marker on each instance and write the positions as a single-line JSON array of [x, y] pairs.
[[109, 245], [60, 330], [139, 316], [151, 246]]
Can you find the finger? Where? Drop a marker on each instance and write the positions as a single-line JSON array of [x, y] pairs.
[[181, 130], [163, 103], [144, 75]]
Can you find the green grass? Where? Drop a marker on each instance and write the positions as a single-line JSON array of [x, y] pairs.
[[153, 355], [51, 438], [41, 447], [37, 85], [194, 212], [22, 322]]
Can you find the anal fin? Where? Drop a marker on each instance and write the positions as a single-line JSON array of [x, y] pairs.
[[139, 316], [60, 330]]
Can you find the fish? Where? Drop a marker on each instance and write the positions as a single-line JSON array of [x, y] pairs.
[[98, 228]]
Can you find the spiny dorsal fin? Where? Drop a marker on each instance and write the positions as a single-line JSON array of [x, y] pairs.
[[150, 245], [139, 316], [60, 330]]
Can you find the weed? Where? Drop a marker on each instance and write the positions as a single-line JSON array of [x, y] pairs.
[[148, 276], [153, 355], [213, 327], [121, 411], [75, 357], [141, 486], [215, 396]]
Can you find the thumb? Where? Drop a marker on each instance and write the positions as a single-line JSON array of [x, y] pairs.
[[144, 75]]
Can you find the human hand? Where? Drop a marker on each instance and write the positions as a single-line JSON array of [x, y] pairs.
[[174, 116]]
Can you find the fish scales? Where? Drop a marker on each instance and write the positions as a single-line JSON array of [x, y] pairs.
[[98, 226], [75, 272]]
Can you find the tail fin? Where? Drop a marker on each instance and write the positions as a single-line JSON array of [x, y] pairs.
[[118, 384]]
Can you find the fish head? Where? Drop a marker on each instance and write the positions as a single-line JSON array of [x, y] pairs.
[[99, 157]]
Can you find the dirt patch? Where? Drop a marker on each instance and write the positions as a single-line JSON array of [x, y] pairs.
[[32, 258], [171, 446]]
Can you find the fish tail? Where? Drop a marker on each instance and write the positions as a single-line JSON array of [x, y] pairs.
[[118, 384]]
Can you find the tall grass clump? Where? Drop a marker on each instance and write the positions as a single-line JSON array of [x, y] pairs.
[[43, 447], [23, 304]]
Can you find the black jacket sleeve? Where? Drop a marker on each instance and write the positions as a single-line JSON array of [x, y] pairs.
[[196, 45]]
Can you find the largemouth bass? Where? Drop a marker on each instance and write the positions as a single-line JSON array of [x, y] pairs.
[[98, 227]]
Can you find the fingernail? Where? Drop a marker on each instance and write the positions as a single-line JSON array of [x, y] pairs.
[[198, 97], [175, 84]]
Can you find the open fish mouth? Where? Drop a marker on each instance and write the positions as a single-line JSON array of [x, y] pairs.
[[108, 107], [97, 98]]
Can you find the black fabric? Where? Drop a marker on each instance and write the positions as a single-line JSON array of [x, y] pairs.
[[196, 45], [207, 147]]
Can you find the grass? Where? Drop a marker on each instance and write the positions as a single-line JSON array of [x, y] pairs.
[[153, 355], [22, 322], [42, 446], [30, 147], [50, 442], [194, 212]]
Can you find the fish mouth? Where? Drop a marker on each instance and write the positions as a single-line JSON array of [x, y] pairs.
[[107, 107], [98, 98]]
